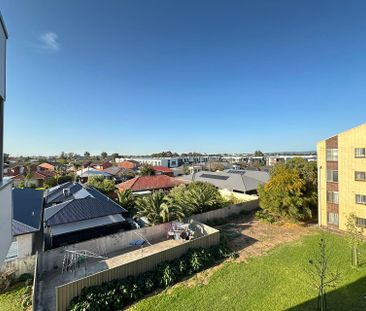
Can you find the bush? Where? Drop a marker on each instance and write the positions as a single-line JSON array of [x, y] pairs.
[[265, 216], [117, 294], [25, 277]]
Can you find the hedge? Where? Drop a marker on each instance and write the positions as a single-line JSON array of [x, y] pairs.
[[117, 294]]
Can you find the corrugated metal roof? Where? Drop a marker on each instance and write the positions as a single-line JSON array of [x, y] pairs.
[[27, 206], [243, 181], [86, 224], [19, 228], [80, 209]]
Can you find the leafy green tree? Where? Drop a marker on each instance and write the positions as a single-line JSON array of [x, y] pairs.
[[146, 170], [283, 196], [354, 237], [86, 154], [156, 210], [215, 166], [101, 183], [104, 155], [114, 156], [258, 153], [309, 173]]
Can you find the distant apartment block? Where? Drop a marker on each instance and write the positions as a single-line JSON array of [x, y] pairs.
[[6, 212], [342, 178], [273, 160]]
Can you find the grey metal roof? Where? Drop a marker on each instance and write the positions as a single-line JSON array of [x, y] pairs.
[[79, 210], [18, 228], [56, 194], [116, 170], [93, 172], [86, 224], [27, 208], [240, 180]]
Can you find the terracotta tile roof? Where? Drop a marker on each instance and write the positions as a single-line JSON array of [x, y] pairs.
[[35, 175], [141, 183], [163, 169], [47, 166]]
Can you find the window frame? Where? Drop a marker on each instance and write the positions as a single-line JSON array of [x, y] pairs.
[[357, 156], [333, 195], [332, 154], [362, 202], [334, 218], [360, 222], [358, 179], [332, 176]]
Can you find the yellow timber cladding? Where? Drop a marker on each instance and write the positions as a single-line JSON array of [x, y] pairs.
[[342, 178]]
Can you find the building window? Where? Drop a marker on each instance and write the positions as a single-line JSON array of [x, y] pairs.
[[332, 154], [333, 219], [332, 176], [360, 176], [360, 199], [361, 222], [360, 152], [332, 197]]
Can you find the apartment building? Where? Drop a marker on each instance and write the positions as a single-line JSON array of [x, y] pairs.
[[342, 178], [6, 213]]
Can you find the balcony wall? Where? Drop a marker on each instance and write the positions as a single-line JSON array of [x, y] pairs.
[[6, 215]]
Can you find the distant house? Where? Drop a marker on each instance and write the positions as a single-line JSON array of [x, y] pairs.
[[100, 166], [75, 213], [37, 179], [241, 181], [26, 223], [128, 164], [14, 170], [120, 174], [162, 170], [85, 173], [147, 184], [46, 166]]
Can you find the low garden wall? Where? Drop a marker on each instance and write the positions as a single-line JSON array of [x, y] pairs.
[[104, 245], [66, 292], [20, 266], [226, 211]]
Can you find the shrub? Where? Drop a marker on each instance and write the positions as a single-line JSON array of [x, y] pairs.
[[117, 294]]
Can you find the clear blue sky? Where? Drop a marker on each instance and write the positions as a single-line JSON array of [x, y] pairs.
[[140, 76]]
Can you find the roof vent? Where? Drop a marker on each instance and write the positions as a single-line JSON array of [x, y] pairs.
[[66, 192]]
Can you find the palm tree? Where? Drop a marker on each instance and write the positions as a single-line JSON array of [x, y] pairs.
[[147, 170], [155, 208], [127, 200], [197, 197], [28, 175]]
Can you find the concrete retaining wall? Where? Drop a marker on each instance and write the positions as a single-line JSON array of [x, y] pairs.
[[20, 266], [227, 211]]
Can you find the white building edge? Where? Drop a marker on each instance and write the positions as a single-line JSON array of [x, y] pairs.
[[6, 210]]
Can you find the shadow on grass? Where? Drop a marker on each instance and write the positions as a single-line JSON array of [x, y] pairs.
[[351, 297]]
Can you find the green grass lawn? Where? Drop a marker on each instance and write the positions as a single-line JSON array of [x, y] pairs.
[[276, 281], [11, 300]]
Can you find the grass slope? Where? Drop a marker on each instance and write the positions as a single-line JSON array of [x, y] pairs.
[[11, 299], [276, 281]]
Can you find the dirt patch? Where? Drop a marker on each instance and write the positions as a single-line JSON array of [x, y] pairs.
[[250, 238], [254, 238]]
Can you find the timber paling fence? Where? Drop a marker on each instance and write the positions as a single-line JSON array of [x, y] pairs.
[[66, 292]]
